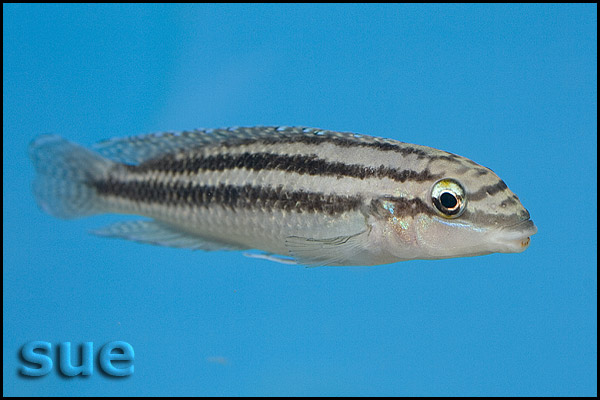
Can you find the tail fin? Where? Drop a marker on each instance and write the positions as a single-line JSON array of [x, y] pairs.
[[64, 170]]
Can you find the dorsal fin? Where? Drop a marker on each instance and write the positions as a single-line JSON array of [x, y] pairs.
[[137, 149]]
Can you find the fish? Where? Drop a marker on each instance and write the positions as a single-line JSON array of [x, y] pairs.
[[293, 195]]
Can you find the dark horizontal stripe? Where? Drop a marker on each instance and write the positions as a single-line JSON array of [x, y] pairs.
[[235, 137], [227, 196], [136, 148], [400, 207], [301, 164], [495, 220], [509, 201], [343, 142], [488, 191]]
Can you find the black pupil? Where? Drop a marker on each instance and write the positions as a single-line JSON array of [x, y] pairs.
[[448, 200]]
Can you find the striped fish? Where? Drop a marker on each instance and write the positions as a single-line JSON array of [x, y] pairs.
[[299, 195]]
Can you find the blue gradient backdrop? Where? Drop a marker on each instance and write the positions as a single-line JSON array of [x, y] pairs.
[[511, 87]]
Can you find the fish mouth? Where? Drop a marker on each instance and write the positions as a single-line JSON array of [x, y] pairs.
[[515, 238]]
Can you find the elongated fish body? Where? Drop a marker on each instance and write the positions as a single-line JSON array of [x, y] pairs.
[[300, 195]]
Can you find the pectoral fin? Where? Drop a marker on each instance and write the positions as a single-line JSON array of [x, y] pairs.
[[341, 250], [272, 257]]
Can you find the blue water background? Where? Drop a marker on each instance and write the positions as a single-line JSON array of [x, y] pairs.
[[513, 87]]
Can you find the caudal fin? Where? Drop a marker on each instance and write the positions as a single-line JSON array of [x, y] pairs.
[[64, 172]]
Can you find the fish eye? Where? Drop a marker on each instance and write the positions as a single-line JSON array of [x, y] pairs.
[[448, 197]]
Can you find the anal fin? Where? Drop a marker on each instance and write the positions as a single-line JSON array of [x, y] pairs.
[[161, 234]]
